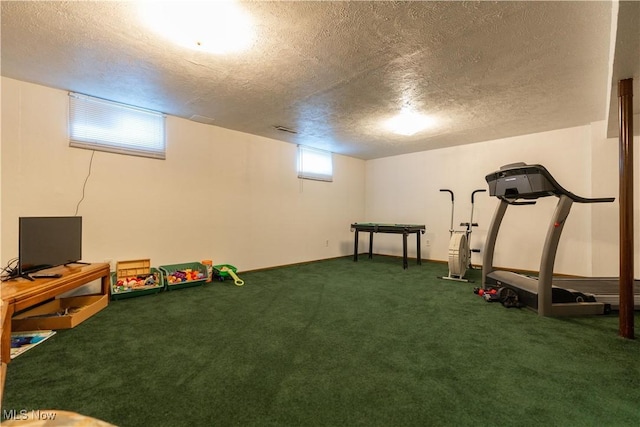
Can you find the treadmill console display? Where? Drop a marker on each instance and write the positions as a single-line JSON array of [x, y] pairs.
[[520, 181], [523, 181]]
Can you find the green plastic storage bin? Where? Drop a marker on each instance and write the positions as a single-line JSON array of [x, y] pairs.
[[168, 270], [122, 292]]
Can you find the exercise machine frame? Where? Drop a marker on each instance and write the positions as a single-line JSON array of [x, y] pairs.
[[459, 255], [529, 182]]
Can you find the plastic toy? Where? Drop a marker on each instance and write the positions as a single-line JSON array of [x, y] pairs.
[[236, 279], [136, 282], [225, 270], [184, 276]]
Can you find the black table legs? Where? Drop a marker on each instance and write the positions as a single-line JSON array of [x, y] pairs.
[[370, 245], [405, 264], [355, 248], [405, 257]]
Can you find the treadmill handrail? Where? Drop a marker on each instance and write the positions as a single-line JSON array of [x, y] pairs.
[[523, 169]]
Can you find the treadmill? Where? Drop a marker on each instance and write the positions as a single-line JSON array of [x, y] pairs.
[[520, 184]]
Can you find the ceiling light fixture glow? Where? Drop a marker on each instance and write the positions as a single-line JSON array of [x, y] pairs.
[[213, 26], [408, 123]]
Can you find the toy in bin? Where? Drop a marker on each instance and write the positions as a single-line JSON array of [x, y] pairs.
[[144, 281], [222, 271], [184, 276], [135, 278]]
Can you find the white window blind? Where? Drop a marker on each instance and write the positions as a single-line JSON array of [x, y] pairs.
[[98, 124], [315, 164]]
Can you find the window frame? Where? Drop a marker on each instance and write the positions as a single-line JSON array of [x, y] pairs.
[[314, 175]]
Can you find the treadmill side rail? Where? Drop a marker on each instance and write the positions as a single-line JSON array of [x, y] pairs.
[[577, 309]]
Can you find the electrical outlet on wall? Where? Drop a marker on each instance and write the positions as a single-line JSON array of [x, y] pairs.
[[427, 243]]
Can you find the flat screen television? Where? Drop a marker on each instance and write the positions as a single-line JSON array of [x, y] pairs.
[[46, 242]]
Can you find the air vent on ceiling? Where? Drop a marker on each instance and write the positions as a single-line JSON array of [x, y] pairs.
[[284, 129], [202, 119]]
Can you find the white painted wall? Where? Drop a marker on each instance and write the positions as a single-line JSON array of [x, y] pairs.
[[606, 223], [235, 198], [406, 189], [222, 195], [605, 226]]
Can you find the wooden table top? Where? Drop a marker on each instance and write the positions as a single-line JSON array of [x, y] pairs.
[[19, 289]]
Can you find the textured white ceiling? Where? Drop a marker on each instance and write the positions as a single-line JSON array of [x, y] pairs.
[[333, 71]]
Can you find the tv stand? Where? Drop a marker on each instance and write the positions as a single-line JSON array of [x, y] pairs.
[[20, 294]]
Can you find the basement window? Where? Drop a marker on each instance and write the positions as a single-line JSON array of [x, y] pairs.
[[102, 125], [315, 164]]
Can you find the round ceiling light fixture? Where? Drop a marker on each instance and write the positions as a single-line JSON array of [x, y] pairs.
[[408, 122], [211, 26]]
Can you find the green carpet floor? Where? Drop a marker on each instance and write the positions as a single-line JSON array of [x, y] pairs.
[[333, 343]]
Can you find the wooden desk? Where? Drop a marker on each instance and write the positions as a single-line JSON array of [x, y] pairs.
[[20, 294]]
